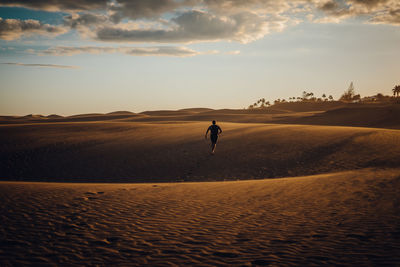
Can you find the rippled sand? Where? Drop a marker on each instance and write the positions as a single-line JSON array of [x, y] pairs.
[[350, 218]]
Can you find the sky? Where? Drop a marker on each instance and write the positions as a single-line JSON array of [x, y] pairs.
[[97, 56]]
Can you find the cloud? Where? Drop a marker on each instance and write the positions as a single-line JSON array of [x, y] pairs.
[[333, 10], [378, 11], [234, 52], [41, 65], [191, 21], [259, 6], [85, 19], [171, 51], [194, 26], [121, 8], [57, 5], [11, 29], [389, 17], [201, 20], [368, 3], [136, 9]]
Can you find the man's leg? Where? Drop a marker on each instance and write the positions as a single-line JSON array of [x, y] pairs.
[[214, 139], [213, 147]]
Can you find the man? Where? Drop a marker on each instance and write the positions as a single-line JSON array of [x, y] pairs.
[[215, 131]]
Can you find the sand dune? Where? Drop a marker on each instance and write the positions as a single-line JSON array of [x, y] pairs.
[[356, 115], [338, 205], [162, 113], [176, 151], [314, 113], [349, 218], [54, 116], [197, 109], [310, 106], [121, 113]]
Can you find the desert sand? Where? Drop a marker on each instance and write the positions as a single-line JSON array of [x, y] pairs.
[[345, 218], [297, 185], [335, 113], [108, 151]]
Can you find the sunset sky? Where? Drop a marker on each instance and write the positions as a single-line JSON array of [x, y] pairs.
[[69, 57]]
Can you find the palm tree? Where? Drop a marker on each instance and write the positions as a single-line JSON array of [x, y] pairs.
[[262, 102], [304, 95], [396, 91]]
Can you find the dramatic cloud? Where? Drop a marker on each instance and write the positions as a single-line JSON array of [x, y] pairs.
[[386, 12], [389, 17], [333, 10], [57, 5], [368, 3], [136, 9], [41, 65], [378, 11], [208, 20], [11, 29], [172, 51], [259, 6], [194, 26], [191, 21], [86, 19]]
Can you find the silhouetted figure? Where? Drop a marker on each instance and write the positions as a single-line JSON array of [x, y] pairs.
[[215, 130]]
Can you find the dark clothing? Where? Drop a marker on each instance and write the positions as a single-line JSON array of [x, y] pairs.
[[215, 130], [214, 138]]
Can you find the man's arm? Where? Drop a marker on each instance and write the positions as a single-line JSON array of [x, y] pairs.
[[220, 130], [207, 132]]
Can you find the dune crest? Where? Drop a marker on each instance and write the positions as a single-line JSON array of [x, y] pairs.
[[318, 113]]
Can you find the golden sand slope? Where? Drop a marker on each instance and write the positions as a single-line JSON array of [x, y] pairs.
[[349, 218], [177, 151], [376, 115]]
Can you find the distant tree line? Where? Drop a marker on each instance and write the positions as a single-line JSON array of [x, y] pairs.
[[348, 96]]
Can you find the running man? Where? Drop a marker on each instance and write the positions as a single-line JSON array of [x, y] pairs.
[[215, 131]]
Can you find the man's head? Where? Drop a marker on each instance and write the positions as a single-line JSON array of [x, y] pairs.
[[213, 122]]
